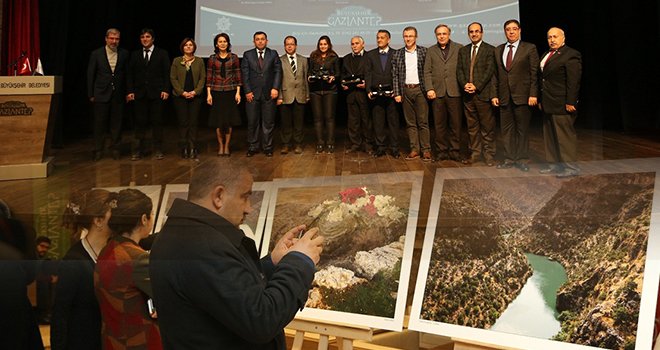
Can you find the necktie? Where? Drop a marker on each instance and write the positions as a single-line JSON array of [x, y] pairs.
[[509, 58], [293, 65], [261, 59], [550, 55], [383, 59], [547, 58], [146, 56], [472, 59]]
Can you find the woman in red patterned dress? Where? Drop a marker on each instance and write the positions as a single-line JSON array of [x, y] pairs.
[[121, 278]]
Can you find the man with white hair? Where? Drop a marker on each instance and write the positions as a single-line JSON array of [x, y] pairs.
[[561, 70]]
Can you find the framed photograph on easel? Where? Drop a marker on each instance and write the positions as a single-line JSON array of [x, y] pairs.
[[529, 261], [368, 222]]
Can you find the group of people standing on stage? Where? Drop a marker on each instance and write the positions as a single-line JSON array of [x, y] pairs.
[[471, 80]]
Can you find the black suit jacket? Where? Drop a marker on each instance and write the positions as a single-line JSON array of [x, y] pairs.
[[261, 80], [484, 69], [354, 66], [520, 82], [151, 79], [211, 290], [101, 81], [375, 73], [560, 80]]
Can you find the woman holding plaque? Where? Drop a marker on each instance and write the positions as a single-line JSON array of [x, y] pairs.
[[322, 73], [223, 85]]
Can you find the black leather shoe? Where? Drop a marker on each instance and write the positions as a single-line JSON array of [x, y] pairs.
[[269, 154], [523, 167], [193, 153], [319, 149], [136, 156], [184, 153], [505, 165], [250, 153], [330, 149], [379, 153]]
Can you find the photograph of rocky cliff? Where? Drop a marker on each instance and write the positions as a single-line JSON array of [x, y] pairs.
[[365, 226], [559, 259]]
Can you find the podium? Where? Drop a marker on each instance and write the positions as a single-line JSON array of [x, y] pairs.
[[27, 112]]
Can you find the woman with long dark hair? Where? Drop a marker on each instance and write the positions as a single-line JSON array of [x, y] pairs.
[[121, 277], [223, 86], [322, 73]]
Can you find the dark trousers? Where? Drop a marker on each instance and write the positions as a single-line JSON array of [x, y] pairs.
[[324, 104], [358, 123], [187, 113], [148, 111], [261, 122], [416, 113], [293, 117], [481, 127], [447, 113], [386, 123], [514, 121], [560, 139], [107, 114]]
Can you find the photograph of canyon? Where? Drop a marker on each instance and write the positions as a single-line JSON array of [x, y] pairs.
[[365, 264], [537, 256]]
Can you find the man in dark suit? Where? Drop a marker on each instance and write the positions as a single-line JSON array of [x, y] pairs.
[[293, 96], [106, 85], [360, 134], [516, 93], [148, 86], [561, 70], [408, 76], [442, 88], [475, 71], [380, 87], [210, 288], [261, 71]]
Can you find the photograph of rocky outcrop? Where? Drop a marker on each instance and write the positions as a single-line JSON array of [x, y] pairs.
[[537, 256], [368, 241]]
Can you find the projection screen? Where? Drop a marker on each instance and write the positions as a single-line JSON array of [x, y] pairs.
[[307, 20]]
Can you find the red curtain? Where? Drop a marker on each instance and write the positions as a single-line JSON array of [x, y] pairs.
[[20, 33]]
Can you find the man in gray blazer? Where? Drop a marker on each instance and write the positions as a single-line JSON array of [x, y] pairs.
[[516, 93], [475, 71], [293, 96], [442, 88]]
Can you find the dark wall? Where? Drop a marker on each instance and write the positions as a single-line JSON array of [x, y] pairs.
[[616, 39]]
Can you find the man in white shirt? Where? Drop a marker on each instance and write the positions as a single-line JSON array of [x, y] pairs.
[[408, 76]]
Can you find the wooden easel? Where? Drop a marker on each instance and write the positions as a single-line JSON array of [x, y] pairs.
[[344, 334]]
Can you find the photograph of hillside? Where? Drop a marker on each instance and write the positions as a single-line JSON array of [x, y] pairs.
[[557, 259], [366, 224]]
